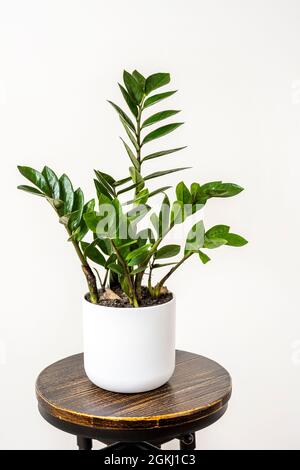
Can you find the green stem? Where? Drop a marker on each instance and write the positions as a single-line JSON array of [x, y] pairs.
[[90, 276], [127, 274], [160, 284]]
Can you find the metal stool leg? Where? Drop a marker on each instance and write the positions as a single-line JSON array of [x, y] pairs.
[[84, 443], [188, 442]]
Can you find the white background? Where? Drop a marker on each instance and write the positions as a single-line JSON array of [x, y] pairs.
[[236, 65]]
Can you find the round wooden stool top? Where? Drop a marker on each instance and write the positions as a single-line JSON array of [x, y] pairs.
[[198, 391]]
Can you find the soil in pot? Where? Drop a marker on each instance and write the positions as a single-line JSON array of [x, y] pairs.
[[123, 301]]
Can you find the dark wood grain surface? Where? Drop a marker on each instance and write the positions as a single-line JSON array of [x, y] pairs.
[[198, 388]]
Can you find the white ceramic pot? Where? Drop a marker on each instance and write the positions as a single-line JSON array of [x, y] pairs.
[[129, 350]]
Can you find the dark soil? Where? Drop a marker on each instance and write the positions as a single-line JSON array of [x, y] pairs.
[[146, 300]]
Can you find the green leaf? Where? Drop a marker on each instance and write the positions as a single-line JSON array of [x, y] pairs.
[[77, 210], [52, 182], [138, 255], [36, 178], [122, 181], [141, 197], [195, 192], [91, 252], [164, 216], [136, 178], [161, 153], [139, 78], [177, 213], [131, 104], [161, 131], [212, 243], [203, 256], [155, 81], [66, 193], [183, 194], [129, 133], [116, 268], [30, 189], [235, 240], [167, 251], [152, 193], [106, 181], [157, 174], [123, 115], [101, 189], [131, 155], [155, 222], [82, 230], [218, 189], [138, 259], [156, 98], [218, 231], [159, 117], [133, 87], [138, 212], [195, 238]]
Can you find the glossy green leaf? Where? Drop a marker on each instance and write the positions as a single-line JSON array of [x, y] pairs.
[[161, 153], [218, 189], [183, 194], [155, 81], [157, 174], [31, 189], [107, 181], [215, 242], [139, 78], [158, 117], [155, 222], [203, 256], [133, 87], [101, 189], [116, 268], [131, 155], [235, 240], [164, 216], [90, 251], [195, 192], [156, 98], [131, 104], [218, 231], [123, 115], [140, 198], [52, 182], [66, 193], [177, 213], [138, 212], [77, 209], [82, 230], [195, 238], [130, 134], [36, 178], [167, 251], [161, 131]]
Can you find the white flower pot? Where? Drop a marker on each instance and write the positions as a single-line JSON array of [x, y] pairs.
[[129, 350]]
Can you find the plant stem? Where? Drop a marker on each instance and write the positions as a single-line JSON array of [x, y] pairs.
[[160, 284], [127, 274], [90, 276]]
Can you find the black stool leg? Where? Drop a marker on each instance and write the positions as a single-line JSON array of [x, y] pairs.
[[84, 443], [188, 442]]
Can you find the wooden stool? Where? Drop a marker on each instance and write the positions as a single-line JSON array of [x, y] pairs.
[[195, 397]]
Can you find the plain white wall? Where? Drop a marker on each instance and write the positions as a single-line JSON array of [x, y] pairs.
[[236, 64]]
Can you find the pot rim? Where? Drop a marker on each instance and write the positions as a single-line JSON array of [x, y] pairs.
[[130, 309]]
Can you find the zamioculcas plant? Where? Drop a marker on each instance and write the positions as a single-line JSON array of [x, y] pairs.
[[126, 237]]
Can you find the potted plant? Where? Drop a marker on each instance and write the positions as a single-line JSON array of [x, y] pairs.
[[128, 318]]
